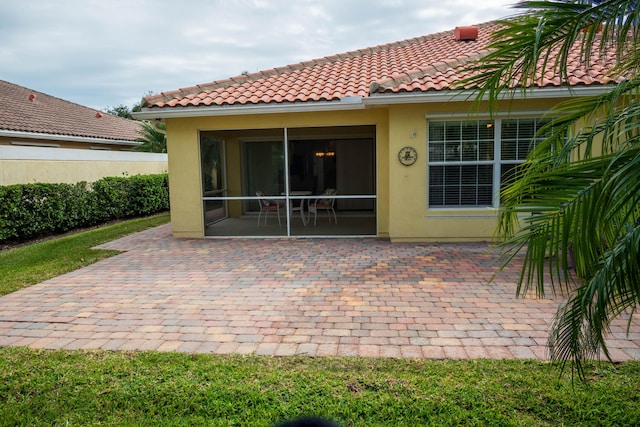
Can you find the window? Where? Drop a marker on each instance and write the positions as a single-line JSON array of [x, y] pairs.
[[518, 137], [466, 156]]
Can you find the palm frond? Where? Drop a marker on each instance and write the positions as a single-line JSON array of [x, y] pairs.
[[546, 36], [152, 137], [574, 207], [580, 327]]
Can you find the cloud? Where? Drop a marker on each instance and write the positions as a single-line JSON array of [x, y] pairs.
[[105, 53]]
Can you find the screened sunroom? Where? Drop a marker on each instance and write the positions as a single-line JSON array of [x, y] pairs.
[[313, 181]]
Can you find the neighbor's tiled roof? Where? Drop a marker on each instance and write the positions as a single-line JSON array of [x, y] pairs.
[[429, 63], [27, 110]]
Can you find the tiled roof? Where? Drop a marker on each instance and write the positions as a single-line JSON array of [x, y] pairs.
[[27, 110], [444, 75], [429, 63]]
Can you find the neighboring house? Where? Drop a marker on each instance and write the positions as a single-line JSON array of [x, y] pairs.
[[383, 126], [48, 139]]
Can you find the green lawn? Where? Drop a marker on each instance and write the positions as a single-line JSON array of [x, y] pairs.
[[31, 264], [73, 388]]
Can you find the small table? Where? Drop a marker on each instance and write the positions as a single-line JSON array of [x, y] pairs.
[[299, 207]]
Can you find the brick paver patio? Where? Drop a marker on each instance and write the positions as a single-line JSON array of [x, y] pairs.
[[344, 297]]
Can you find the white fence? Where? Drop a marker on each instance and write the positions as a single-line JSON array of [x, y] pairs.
[[24, 165]]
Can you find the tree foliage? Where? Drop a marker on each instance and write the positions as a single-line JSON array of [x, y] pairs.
[[120, 111], [124, 111], [153, 137], [578, 193]]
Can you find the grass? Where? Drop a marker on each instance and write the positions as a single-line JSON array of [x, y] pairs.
[[42, 387], [71, 388], [30, 264]]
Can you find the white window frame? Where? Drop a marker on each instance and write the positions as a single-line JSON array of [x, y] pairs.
[[497, 161]]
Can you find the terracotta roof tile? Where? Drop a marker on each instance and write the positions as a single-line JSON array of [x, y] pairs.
[[27, 110], [429, 63]]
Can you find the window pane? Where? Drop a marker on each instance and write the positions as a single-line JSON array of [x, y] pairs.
[[452, 175], [470, 151], [486, 130], [485, 195], [436, 131], [508, 174], [436, 151], [509, 143], [436, 175], [485, 174], [509, 129], [508, 149], [486, 150], [436, 196], [468, 195], [452, 196], [524, 146], [468, 174], [452, 131], [470, 131], [526, 128], [452, 151]]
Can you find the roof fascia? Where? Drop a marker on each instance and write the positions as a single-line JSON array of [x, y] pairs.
[[346, 103], [469, 95], [65, 138]]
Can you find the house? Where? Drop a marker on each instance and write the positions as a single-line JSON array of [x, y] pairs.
[[382, 126], [48, 139]]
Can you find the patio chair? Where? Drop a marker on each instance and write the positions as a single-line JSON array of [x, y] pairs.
[[323, 203], [267, 206]]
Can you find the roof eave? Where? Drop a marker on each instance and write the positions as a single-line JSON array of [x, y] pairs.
[[469, 95], [66, 138], [346, 103], [359, 103]]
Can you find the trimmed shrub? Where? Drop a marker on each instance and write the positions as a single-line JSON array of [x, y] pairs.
[[34, 210], [112, 197], [148, 194]]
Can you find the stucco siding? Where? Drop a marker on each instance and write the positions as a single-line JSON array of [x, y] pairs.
[[402, 209], [185, 189], [410, 218]]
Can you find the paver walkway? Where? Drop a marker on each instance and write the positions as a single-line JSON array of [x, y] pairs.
[[347, 297]]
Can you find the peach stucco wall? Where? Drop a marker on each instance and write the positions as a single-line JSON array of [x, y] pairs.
[[402, 208], [23, 165]]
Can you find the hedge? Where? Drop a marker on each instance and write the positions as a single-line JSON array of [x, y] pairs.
[[29, 211]]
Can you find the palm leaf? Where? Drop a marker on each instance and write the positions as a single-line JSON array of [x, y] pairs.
[[574, 209], [152, 137]]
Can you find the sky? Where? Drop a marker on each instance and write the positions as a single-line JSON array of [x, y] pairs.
[[106, 53]]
